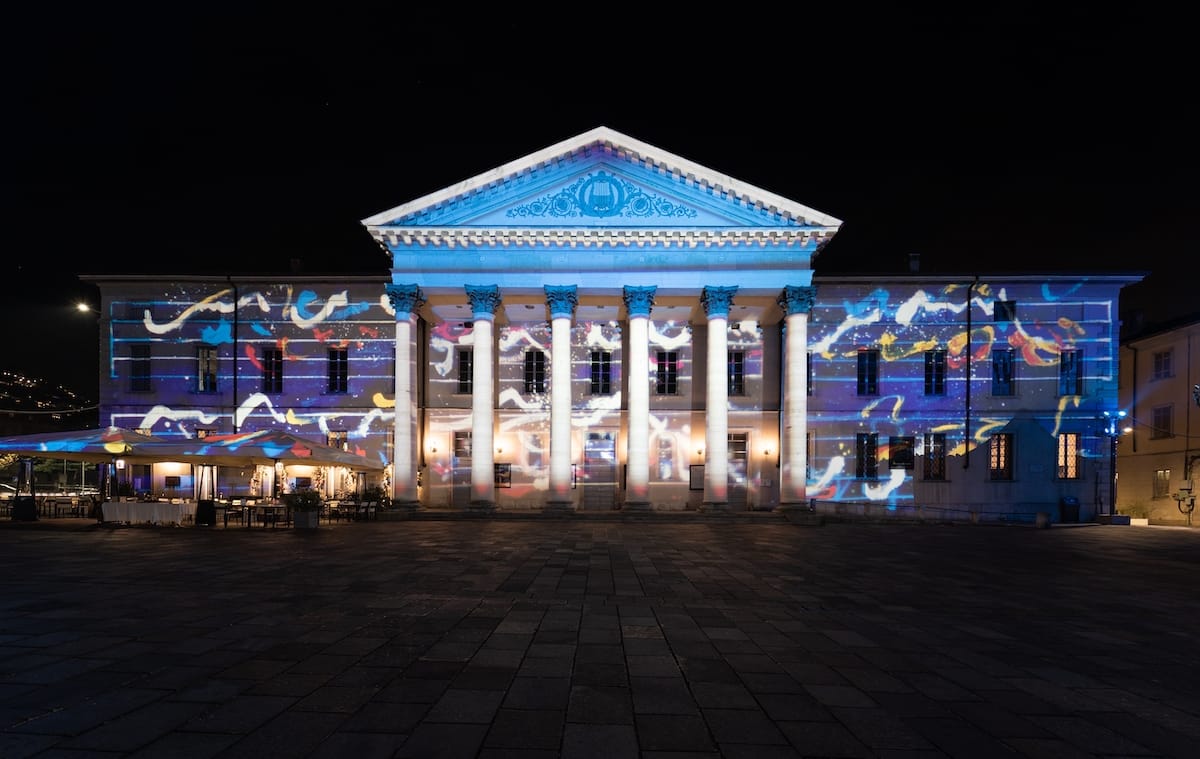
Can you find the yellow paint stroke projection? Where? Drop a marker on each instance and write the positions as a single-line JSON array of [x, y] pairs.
[[1073, 400], [890, 351], [867, 409]]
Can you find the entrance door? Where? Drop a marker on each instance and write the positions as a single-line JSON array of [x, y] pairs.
[[600, 471], [460, 470], [738, 461]]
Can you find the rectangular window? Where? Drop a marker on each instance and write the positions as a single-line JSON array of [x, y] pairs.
[[601, 373], [466, 367], [935, 456], [935, 372], [339, 370], [902, 452], [1003, 372], [206, 369], [1162, 365], [535, 372], [1070, 372], [667, 373], [272, 363], [1162, 483], [737, 373], [866, 455], [1000, 456], [1068, 455], [808, 369], [868, 372], [338, 439], [1160, 418], [462, 444], [139, 368], [1004, 311]]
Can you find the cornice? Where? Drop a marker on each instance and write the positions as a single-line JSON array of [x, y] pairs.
[[599, 238]]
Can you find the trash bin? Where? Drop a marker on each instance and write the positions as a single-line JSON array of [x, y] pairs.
[[1068, 509], [24, 508], [206, 512]]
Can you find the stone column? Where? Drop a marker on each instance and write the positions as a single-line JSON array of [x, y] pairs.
[[638, 301], [484, 302], [716, 302], [796, 303], [561, 302], [405, 300]]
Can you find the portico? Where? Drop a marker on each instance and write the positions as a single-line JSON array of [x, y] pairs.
[[602, 316]]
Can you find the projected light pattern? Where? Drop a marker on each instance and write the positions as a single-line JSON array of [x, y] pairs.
[[154, 382], [902, 325], [155, 337]]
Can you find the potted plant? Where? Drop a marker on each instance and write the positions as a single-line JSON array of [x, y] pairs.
[[305, 506]]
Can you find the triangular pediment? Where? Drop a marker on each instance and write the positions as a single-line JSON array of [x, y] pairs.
[[601, 180]]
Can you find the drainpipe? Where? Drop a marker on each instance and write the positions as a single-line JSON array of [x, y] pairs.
[[236, 311], [967, 395]]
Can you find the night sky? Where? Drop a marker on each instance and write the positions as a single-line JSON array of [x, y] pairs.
[[998, 141]]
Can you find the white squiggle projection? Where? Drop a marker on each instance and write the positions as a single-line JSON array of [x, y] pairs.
[[882, 491], [511, 395], [386, 304], [251, 403], [364, 426], [824, 346], [514, 336], [595, 339], [442, 345], [594, 419], [333, 302], [211, 303], [669, 343], [920, 301], [207, 304], [161, 412], [837, 464]]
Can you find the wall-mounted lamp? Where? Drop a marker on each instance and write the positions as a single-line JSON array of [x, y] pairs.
[[767, 451], [433, 449], [499, 450], [700, 451]]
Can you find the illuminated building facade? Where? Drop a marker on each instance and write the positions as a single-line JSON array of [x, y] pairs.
[[1158, 458], [605, 325]]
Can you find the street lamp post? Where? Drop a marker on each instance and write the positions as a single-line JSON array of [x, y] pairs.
[[1113, 431]]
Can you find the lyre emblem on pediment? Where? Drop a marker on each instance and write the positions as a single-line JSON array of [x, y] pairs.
[[601, 195]]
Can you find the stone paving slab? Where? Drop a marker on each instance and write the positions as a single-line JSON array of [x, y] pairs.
[[591, 638]]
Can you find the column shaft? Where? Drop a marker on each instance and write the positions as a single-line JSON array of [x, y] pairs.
[[484, 302], [560, 410], [796, 302], [483, 469], [404, 464], [794, 484], [716, 416], [637, 472], [405, 300]]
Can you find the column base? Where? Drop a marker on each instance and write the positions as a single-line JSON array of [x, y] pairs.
[[404, 508], [559, 507], [637, 506]]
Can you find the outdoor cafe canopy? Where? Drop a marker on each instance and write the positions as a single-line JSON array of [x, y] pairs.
[[105, 445]]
